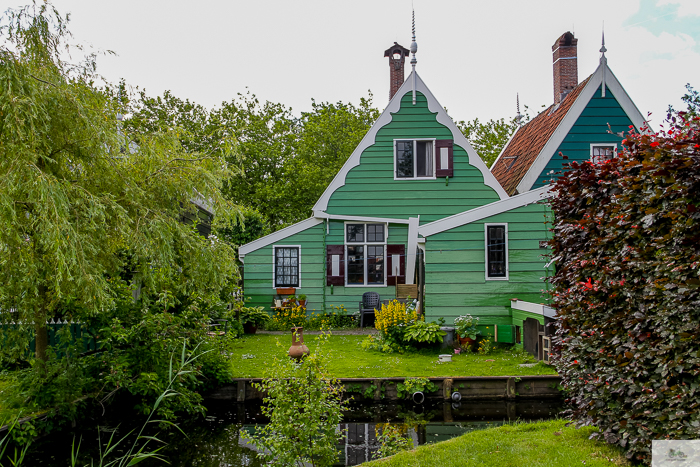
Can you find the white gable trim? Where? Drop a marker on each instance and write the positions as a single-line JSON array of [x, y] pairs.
[[504, 148], [341, 217], [572, 115], [277, 236], [385, 118], [536, 308], [483, 212]]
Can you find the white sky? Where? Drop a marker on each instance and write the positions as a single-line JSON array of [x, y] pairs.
[[474, 55]]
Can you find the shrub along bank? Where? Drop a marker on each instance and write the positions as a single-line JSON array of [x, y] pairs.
[[627, 288]]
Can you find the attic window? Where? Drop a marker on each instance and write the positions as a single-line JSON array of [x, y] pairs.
[[414, 159], [602, 152]]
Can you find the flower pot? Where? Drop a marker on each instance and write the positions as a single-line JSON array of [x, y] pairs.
[[467, 343], [250, 328], [302, 303], [457, 351], [298, 349]]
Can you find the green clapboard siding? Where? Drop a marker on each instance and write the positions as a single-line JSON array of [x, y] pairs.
[[456, 269], [591, 127], [258, 270], [370, 189], [258, 283]]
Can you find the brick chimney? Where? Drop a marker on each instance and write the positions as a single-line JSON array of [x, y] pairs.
[[565, 66], [397, 57]]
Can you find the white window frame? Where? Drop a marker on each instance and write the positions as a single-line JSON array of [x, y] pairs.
[[415, 152], [486, 252], [274, 265], [365, 243], [598, 145]]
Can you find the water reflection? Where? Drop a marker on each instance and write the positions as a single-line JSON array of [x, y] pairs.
[[220, 439]]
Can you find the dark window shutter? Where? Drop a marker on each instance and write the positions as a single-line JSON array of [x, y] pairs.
[[444, 171], [332, 250], [392, 250]]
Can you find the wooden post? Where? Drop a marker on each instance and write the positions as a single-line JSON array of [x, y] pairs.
[[240, 397], [447, 389], [378, 389]]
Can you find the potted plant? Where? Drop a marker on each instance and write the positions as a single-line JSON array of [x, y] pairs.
[[302, 300], [290, 301], [253, 317], [465, 327]]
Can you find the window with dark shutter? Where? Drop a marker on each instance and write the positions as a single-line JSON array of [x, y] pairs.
[[444, 158], [496, 251], [335, 265], [396, 256]]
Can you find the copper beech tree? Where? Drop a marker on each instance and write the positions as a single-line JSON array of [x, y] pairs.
[[78, 197], [627, 287]]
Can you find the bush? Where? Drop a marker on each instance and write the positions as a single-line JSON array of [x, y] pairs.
[[627, 288], [286, 318], [304, 404], [401, 328], [339, 318]]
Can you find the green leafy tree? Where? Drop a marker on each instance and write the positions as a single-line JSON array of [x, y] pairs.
[[691, 100], [266, 136], [304, 404], [488, 139], [327, 137], [81, 205], [627, 288]]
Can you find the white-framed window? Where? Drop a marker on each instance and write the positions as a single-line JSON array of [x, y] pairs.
[[286, 266], [365, 254], [496, 251], [601, 152], [414, 159]]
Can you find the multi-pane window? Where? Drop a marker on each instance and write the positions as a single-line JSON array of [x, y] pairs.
[[365, 254], [414, 158], [602, 152], [286, 266], [496, 251]]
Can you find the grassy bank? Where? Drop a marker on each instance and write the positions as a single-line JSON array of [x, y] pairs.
[[252, 354], [545, 444]]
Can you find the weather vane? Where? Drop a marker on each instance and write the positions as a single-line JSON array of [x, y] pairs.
[[414, 49]]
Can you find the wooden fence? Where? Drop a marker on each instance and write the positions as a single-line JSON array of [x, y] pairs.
[[79, 333]]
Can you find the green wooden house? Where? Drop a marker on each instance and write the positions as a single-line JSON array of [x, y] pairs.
[[414, 204]]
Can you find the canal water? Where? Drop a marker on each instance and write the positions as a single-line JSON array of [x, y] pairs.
[[220, 439]]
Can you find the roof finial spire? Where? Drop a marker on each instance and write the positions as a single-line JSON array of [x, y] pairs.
[[603, 63], [518, 117], [414, 49]]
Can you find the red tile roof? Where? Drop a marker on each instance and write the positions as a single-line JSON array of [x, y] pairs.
[[523, 148]]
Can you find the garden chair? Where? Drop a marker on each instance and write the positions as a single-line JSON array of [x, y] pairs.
[[370, 301]]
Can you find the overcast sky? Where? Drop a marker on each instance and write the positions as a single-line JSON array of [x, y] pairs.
[[474, 55]]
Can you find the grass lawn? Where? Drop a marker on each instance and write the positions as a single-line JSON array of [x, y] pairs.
[[253, 353], [545, 444]]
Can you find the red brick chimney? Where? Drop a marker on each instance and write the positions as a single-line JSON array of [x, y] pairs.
[[397, 57], [565, 66]]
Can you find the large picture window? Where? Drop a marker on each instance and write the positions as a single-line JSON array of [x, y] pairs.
[[496, 251], [286, 266], [365, 254], [414, 159]]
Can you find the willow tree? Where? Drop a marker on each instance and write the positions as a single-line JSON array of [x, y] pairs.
[[78, 199]]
